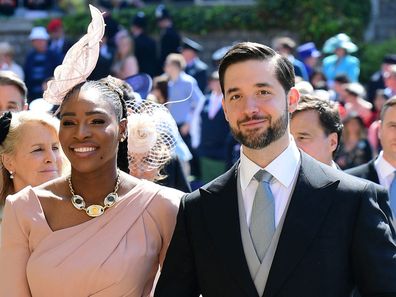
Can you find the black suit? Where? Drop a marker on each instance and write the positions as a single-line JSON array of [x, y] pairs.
[[333, 238], [366, 171], [198, 70]]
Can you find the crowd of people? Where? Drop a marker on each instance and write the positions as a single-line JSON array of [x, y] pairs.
[[290, 160]]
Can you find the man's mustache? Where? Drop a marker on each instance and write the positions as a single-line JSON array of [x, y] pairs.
[[253, 118]]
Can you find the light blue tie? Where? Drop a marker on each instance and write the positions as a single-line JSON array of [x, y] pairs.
[[262, 224], [392, 194]]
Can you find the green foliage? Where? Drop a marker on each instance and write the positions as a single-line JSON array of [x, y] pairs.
[[310, 19], [371, 56], [317, 19]]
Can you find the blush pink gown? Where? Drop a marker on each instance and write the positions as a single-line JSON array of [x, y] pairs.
[[116, 254]]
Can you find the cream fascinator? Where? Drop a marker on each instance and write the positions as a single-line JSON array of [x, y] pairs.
[[79, 62], [152, 135]]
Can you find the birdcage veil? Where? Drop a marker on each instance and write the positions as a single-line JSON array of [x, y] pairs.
[[79, 61], [152, 135]]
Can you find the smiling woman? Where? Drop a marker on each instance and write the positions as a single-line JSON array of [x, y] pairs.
[[98, 231], [29, 149]]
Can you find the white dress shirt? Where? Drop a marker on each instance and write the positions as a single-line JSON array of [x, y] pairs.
[[385, 171], [284, 169]]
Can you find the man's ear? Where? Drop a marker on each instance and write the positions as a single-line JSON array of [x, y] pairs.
[[8, 162], [293, 97], [333, 138]]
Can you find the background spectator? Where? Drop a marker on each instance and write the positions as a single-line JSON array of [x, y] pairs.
[[7, 60], [124, 63], [194, 65], [340, 61], [40, 63], [145, 46], [169, 37], [355, 148]]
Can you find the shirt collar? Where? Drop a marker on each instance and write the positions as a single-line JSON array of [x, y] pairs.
[[383, 167], [289, 158]]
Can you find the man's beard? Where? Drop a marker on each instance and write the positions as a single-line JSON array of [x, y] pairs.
[[256, 141]]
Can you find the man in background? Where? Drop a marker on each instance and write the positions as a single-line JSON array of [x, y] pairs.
[[317, 128], [13, 92]]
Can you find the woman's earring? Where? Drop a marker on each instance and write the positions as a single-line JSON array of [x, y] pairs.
[[11, 175], [123, 137]]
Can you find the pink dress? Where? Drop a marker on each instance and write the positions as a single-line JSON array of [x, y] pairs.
[[116, 254]]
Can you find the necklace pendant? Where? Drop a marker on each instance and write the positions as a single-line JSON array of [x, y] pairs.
[[78, 202], [110, 199], [94, 210]]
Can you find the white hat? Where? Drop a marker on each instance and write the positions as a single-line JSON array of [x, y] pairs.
[[39, 33]]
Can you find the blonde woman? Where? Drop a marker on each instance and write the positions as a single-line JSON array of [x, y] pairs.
[[30, 151], [125, 63]]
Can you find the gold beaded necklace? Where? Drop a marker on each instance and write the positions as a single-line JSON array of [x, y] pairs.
[[95, 210]]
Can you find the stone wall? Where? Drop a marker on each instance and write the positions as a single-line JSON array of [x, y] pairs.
[[16, 32]]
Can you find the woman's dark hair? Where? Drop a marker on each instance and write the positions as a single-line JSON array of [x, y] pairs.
[[112, 93]]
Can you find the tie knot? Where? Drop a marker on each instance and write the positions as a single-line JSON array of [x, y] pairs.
[[263, 176]]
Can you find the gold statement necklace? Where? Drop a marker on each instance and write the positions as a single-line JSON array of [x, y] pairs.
[[95, 210]]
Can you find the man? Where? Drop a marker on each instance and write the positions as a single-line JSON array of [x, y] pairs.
[[317, 128], [285, 46], [382, 169], [377, 79], [40, 63], [184, 89], [390, 81], [58, 41], [214, 133], [169, 37], [330, 233], [309, 55], [145, 47], [195, 67], [13, 92]]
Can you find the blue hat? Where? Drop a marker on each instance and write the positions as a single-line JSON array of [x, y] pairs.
[[307, 50], [341, 40]]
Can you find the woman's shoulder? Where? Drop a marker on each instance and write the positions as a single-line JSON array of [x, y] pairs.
[[165, 199], [23, 197]]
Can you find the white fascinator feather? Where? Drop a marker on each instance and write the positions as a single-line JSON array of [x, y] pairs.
[[79, 61]]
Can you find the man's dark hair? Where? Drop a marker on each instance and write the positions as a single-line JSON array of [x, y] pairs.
[[245, 51], [329, 117], [389, 103]]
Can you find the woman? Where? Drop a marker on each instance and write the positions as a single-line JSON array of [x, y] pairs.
[[50, 232], [340, 61], [355, 148], [99, 231], [125, 63], [30, 151]]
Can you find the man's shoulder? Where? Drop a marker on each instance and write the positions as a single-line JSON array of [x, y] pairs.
[[215, 186], [321, 174], [363, 170]]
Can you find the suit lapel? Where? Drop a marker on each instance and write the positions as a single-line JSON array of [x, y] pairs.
[[372, 173], [221, 214], [308, 206]]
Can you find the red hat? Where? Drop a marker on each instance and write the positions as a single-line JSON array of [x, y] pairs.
[[54, 25]]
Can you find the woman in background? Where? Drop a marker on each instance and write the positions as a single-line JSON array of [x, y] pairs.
[[355, 148], [125, 63]]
